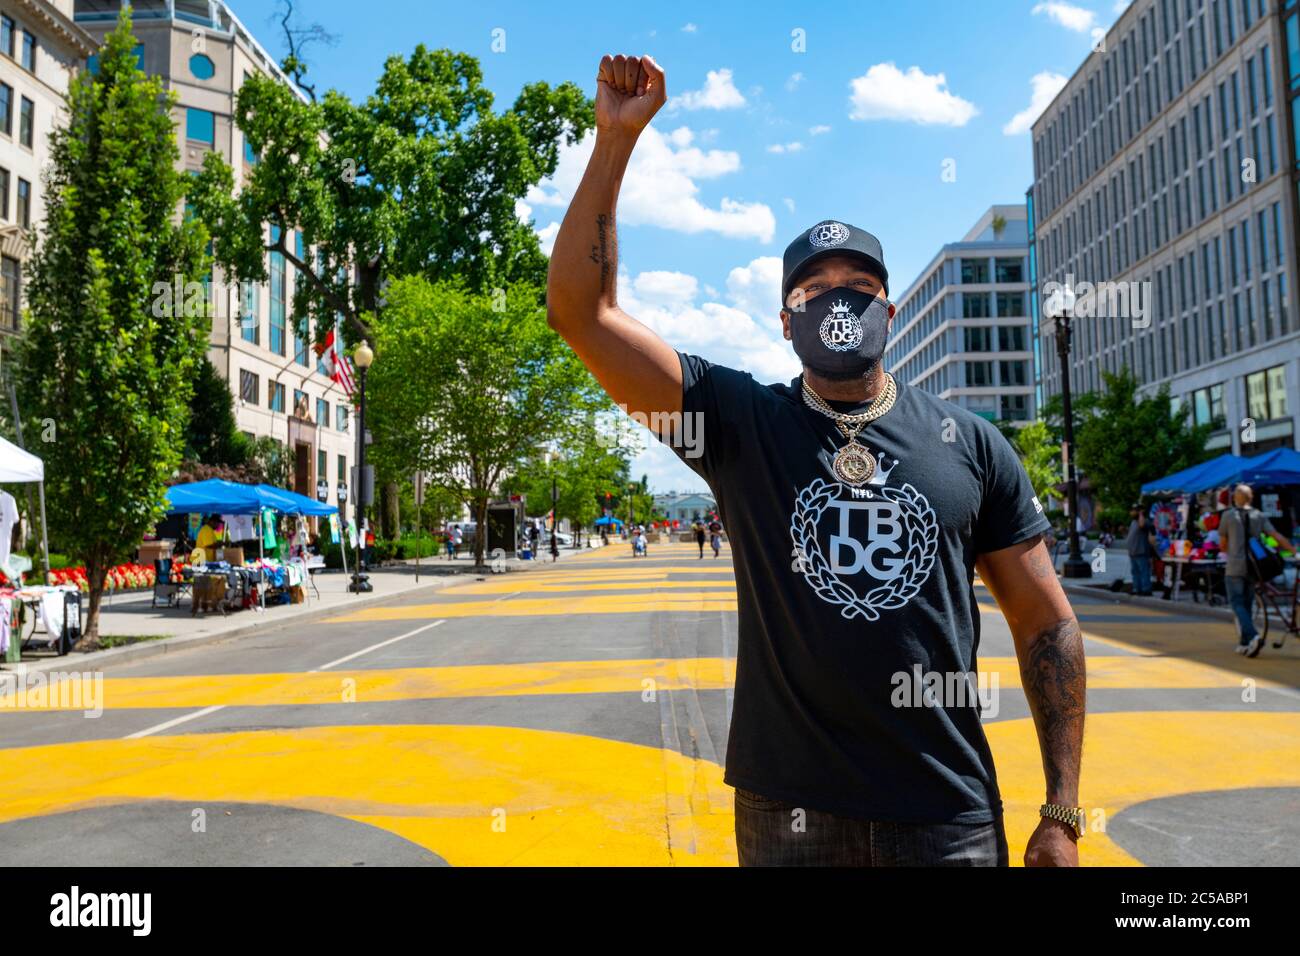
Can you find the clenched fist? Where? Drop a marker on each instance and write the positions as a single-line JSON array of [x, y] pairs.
[[629, 91]]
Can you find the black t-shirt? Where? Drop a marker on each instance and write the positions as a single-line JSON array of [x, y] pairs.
[[843, 592]]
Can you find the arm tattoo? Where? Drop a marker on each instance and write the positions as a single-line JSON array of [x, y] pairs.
[[602, 221], [1053, 677], [1040, 563]]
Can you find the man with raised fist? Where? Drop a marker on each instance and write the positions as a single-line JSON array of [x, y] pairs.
[[860, 509]]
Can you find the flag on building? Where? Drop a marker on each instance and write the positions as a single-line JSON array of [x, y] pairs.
[[336, 364]]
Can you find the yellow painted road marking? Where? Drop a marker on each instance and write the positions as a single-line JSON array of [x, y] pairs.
[[551, 586], [535, 607], [547, 677], [572, 800]]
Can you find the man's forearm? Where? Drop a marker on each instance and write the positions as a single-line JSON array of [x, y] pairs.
[[584, 262], [1052, 673]]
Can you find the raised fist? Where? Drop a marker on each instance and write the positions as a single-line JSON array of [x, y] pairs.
[[629, 91]]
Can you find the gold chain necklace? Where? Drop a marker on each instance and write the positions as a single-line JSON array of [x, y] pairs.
[[854, 464]]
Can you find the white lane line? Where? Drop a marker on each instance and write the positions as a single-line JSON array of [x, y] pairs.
[[375, 647], [167, 725]]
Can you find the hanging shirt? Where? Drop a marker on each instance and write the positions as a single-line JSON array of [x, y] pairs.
[[844, 593], [268, 528], [8, 518]]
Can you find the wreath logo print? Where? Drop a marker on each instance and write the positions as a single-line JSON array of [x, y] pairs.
[[922, 541]]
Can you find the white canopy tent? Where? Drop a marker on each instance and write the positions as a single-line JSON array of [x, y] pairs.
[[21, 466]]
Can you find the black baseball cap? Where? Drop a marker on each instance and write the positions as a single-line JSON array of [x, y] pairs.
[[830, 237]]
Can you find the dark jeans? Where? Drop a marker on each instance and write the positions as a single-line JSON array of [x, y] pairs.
[[1241, 595], [1141, 567], [771, 833]]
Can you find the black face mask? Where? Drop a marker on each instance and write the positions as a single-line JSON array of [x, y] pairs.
[[841, 333]]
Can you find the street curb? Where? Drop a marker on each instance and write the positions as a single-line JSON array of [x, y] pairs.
[[96, 660], [1157, 604]]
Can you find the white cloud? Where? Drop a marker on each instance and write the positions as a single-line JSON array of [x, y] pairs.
[[884, 92], [1045, 87], [785, 147], [756, 287], [689, 28], [719, 93], [1067, 15], [1121, 5], [818, 130], [789, 203], [660, 187], [547, 236], [665, 288], [792, 84]]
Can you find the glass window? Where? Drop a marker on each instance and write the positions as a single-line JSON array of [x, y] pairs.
[[1013, 373], [1011, 338], [977, 340], [24, 204], [322, 465], [343, 468], [26, 121], [276, 396], [200, 126], [4, 194], [6, 109], [1008, 270], [979, 373], [202, 67], [322, 417], [6, 35], [300, 403], [248, 390], [974, 270], [11, 290], [1277, 406], [1015, 408], [29, 52], [1010, 304], [1257, 396], [277, 342], [341, 415], [975, 305]]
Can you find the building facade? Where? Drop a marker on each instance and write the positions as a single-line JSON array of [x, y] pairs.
[[962, 329], [685, 507], [203, 53], [1165, 177], [40, 49]]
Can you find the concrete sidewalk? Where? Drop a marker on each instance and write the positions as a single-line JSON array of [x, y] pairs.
[[169, 629]]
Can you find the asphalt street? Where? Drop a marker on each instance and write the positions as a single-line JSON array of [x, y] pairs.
[[578, 715]]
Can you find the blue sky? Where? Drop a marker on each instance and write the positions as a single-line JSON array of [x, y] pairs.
[[759, 140]]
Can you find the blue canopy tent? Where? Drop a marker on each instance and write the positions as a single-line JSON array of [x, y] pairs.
[[1196, 478], [1281, 466], [607, 520], [218, 496]]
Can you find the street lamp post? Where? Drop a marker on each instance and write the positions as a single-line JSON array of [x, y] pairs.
[[362, 357], [555, 520], [1060, 306]]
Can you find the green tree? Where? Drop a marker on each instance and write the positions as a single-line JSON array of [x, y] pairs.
[[211, 436], [1126, 439], [466, 386], [110, 351], [582, 474], [1040, 456], [422, 178]]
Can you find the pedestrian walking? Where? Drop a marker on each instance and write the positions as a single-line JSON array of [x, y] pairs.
[[715, 536], [1240, 525], [698, 527], [892, 499], [1141, 545]]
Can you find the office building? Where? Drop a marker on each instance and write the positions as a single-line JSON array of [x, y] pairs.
[[962, 329], [203, 53], [1166, 169], [40, 50]]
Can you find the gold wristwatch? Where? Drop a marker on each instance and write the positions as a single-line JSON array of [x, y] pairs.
[[1074, 816]]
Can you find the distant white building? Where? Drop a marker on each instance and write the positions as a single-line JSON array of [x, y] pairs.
[[685, 507]]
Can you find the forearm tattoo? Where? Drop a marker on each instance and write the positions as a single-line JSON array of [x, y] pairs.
[[1053, 678], [604, 224]]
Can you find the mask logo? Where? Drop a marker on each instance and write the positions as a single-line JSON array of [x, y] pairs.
[[827, 234], [841, 330]]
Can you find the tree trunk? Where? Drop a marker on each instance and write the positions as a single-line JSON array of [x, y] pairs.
[[480, 536], [96, 575], [389, 515]]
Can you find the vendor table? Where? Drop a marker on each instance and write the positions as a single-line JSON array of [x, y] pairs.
[[1208, 569]]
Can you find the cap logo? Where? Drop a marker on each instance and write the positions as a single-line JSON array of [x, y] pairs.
[[827, 234], [841, 330]]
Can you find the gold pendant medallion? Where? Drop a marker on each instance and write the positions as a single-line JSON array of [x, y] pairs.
[[853, 464]]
